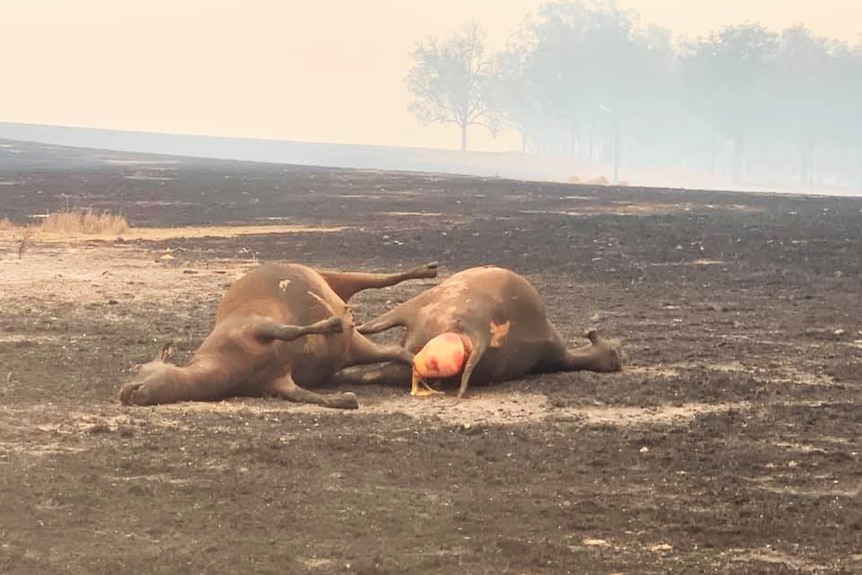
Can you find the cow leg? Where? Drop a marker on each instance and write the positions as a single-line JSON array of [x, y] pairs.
[[286, 388], [363, 351], [394, 374], [480, 344], [269, 330], [600, 355], [346, 284], [388, 320]]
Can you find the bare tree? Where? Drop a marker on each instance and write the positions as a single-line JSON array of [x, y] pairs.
[[452, 82]]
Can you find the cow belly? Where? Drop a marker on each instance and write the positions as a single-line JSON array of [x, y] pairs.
[[320, 356], [507, 362]]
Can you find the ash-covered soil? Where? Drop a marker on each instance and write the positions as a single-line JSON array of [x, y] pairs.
[[731, 444]]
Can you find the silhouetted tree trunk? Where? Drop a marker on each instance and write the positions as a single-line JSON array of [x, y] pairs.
[[616, 153], [812, 164], [464, 136], [738, 158], [807, 163], [713, 167]]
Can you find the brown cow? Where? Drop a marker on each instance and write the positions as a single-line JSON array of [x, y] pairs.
[[484, 324], [279, 327]]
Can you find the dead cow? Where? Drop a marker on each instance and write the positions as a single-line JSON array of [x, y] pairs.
[[279, 327], [484, 324]]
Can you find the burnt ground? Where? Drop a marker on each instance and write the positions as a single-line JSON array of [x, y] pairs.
[[731, 444]]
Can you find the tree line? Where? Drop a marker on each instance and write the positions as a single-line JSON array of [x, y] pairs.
[[584, 78]]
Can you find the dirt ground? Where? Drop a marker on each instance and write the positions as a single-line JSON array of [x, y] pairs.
[[731, 444]]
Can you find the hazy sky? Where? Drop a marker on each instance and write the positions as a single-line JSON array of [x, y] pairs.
[[316, 70]]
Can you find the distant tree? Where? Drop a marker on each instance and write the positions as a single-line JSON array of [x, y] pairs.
[[584, 77], [581, 67], [849, 67], [518, 90], [586, 67], [800, 86], [726, 73], [453, 82]]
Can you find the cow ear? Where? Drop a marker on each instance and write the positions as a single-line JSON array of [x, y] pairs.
[[166, 351]]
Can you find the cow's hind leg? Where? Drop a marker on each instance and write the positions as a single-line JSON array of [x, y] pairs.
[[480, 345], [388, 320], [363, 351], [286, 388], [394, 374], [346, 284], [270, 330]]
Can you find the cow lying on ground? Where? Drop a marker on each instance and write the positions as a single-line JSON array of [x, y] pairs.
[[484, 324], [279, 327]]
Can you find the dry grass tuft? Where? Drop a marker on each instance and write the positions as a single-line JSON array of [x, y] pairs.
[[6, 224], [22, 243], [598, 180], [84, 222]]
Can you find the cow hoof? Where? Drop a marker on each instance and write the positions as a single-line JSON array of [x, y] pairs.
[[131, 394], [348, 400], [426, 271], [618, 357]]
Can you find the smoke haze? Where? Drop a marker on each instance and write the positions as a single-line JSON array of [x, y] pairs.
[[323, 71]]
